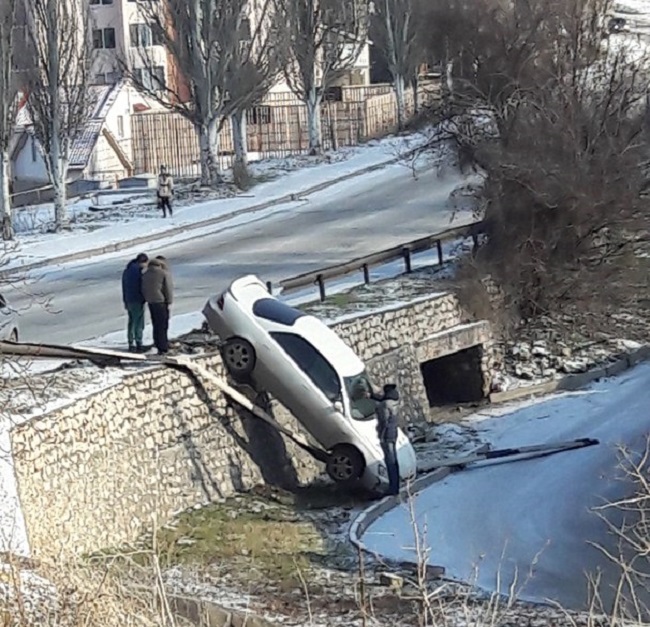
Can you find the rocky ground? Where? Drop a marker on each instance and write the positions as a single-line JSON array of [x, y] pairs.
[[287, 558]]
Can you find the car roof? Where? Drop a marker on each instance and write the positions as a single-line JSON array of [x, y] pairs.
[[249, 289]]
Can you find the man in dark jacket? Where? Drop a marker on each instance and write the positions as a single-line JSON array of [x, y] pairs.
[[388, 429], [134, 300], [158, 291]]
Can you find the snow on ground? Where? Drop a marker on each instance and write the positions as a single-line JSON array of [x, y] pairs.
[[529, 524], [39, 246]]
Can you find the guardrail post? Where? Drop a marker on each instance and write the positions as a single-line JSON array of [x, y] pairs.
[[321, 286], [269, 287], [406, 253], [366, 273], [439, 247]]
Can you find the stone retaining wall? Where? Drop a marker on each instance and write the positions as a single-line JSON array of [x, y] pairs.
[[100, 471]]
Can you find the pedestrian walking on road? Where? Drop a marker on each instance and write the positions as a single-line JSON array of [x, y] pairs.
[[133, 299], [165, 191], [158, 291]]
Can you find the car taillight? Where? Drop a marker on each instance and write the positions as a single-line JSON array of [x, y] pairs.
[[220, 301]]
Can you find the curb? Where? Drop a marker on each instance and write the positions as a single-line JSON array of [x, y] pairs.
[[573, 382], [146, 239]]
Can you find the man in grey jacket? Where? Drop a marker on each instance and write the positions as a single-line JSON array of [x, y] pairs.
[[158, 292]]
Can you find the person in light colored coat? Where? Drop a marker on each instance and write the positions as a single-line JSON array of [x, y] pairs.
[[158, 292], [165, 191]]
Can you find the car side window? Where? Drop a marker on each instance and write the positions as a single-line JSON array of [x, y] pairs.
[[312, 363]]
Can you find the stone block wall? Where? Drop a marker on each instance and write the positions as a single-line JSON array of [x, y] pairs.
[[100, 471]]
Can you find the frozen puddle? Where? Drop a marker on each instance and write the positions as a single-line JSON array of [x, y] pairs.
[[530, 524]]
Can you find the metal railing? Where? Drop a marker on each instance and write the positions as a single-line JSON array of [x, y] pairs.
[[364, 264]]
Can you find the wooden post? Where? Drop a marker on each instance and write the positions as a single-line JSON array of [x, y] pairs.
[[366, 274], [439, 247], [406, 252], [321, 286]]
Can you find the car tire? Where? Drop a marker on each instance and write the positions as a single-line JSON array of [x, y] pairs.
[[238, 357], [14, 336], [345, 464]]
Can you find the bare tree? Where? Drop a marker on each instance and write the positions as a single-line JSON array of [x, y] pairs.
[[563, 143], [58, 94], [255, 67], [8, 102], [323, 40], [395, 31], [204, 39]]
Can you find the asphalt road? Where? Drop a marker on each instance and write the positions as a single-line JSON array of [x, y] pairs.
[[80, 301]]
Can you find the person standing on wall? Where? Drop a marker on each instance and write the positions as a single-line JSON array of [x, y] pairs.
[[134, 300], [158, 291], [165, 191]]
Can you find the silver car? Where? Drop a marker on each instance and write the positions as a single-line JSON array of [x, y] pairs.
[[311, 371], [8, 322]]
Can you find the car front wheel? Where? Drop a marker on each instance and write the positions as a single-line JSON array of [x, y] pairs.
[[345, 464], [239, 357]]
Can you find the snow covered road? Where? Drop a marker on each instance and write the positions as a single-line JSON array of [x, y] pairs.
[[353, 218], [531, 521]]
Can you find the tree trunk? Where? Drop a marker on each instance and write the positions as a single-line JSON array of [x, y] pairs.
[[416, 94], [399, 88], [240, 173], [5, 198], [239, 137], [314, 122], [58, 176], [209, 146]]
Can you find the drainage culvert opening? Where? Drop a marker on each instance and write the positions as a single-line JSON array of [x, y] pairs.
[[455, 378]]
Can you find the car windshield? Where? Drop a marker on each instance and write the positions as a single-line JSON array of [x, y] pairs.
[[275, 311], [359, 389]]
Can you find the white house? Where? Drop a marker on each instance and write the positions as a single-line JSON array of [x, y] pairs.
[[102, 153]]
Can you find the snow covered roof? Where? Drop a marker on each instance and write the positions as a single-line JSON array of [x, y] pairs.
[[102, 97]]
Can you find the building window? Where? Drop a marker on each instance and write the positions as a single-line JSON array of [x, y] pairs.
[[104, 38], [96, 2], [120, 126], [152, 79], [143, 36]]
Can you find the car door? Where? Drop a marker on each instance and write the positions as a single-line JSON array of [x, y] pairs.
[[314, 389], [6, 319]]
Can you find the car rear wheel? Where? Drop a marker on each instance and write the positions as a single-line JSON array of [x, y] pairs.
[[239, 357], [14, 336], [345, 464]]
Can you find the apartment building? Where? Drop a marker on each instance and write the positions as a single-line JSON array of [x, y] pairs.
[[120, 35]]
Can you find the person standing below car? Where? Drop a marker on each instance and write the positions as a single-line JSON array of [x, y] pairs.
[[158, 291], [165, 191], [387, 429], [134, 300]]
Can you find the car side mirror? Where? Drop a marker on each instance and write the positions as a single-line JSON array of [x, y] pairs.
[[390, 392], [338, 406]]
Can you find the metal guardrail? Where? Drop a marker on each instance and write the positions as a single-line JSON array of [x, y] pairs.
[[363, 264]]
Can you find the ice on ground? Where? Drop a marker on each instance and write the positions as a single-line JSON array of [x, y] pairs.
[[530, 525]]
